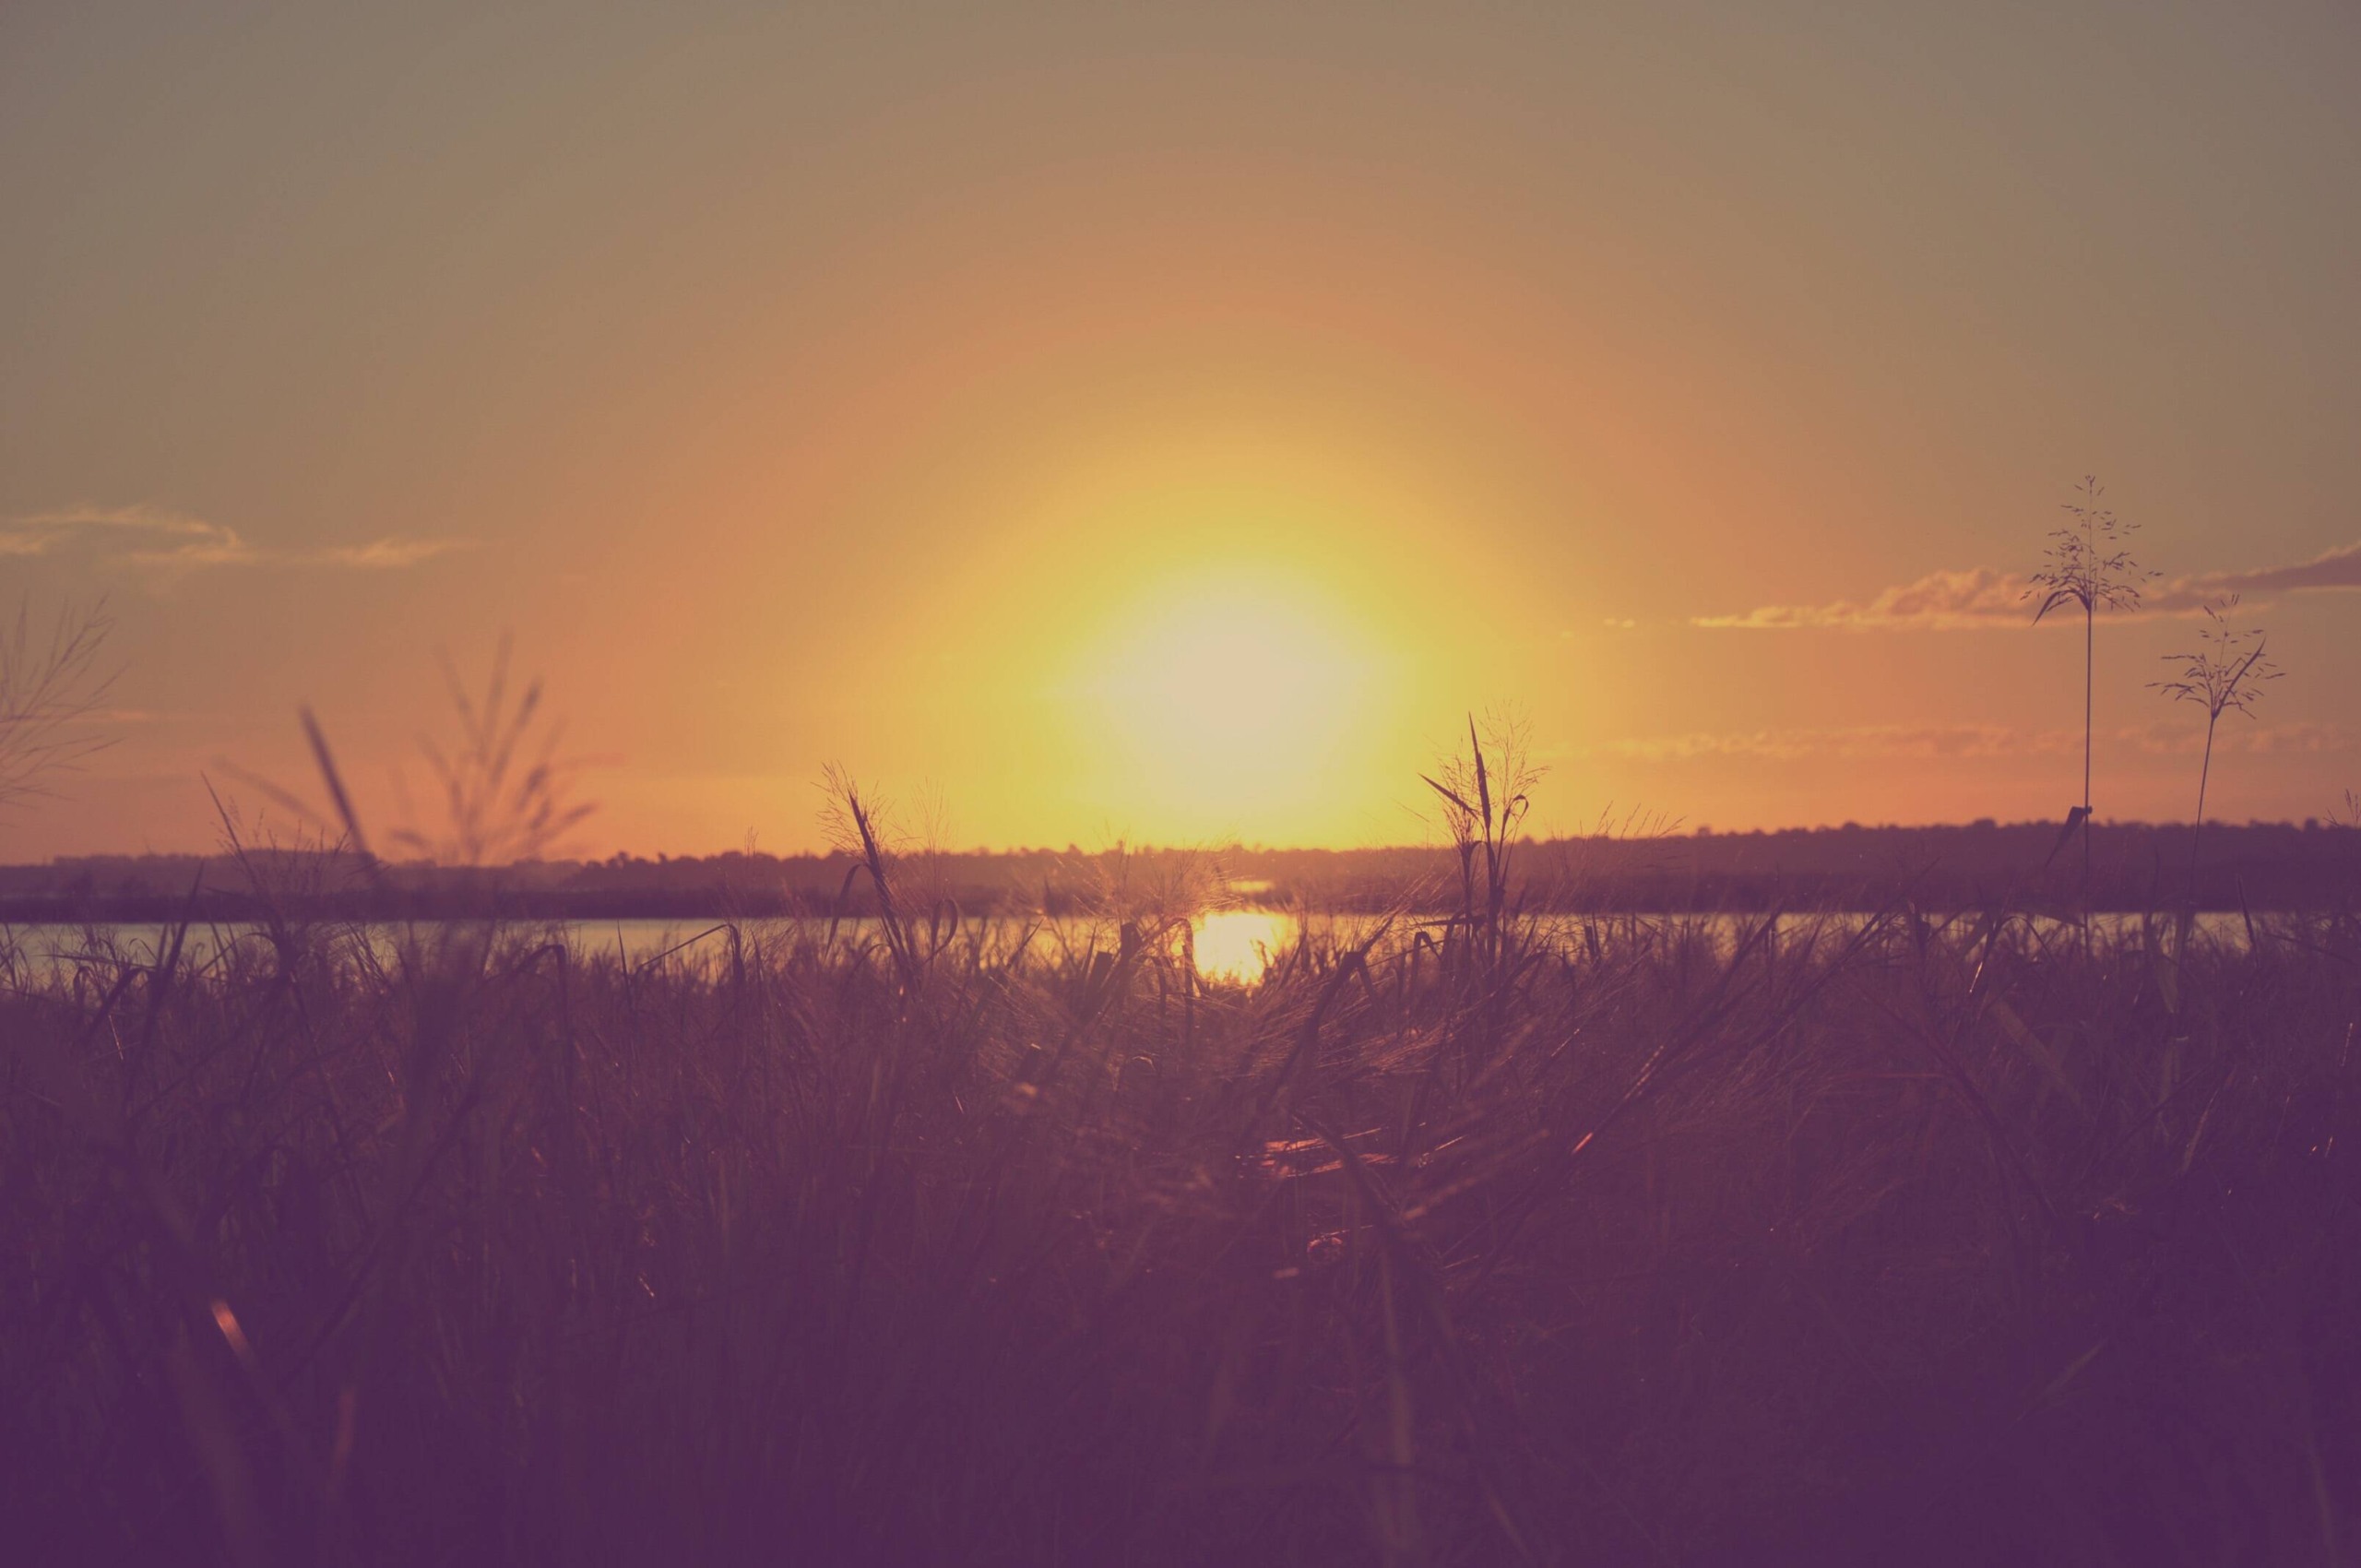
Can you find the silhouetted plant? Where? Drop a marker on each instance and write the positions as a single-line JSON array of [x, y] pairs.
[[48, 686], [2223, 673], [1486, 800], [855, 827], [498, 807], [2088, 565]]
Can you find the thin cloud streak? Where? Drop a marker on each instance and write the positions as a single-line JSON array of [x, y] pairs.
[[1979, 597], [2184, 740], [2330, 570], [1960, 742], [1859, 741], [152, 539], [1938, 601], [388, 554]]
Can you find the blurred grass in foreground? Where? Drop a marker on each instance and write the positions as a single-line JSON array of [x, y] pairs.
[[1967, 1240]]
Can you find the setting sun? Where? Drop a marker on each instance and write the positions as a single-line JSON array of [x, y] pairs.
[[1244, 695]]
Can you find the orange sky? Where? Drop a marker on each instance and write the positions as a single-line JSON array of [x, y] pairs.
[[1169, 425]]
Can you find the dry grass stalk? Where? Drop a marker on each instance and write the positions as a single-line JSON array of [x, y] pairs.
[[49, 687], [2088, 567]]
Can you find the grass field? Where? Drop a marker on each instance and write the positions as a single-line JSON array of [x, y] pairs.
[[1932, 1240]]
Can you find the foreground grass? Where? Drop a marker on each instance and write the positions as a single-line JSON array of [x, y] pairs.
[[1923, 1243]]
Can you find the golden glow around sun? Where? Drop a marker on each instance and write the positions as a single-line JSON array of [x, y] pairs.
[[1238, 697], [1201, 632]]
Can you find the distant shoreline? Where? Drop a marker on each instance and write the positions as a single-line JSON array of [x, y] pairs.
[[2134, 866]]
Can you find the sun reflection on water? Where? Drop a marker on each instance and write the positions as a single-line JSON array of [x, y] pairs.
[[1239, 946]]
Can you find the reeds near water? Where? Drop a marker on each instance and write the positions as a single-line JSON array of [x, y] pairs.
[[1929, 1240]]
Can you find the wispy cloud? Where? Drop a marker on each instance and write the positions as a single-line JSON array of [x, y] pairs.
[[1858, 740], [1961, 741], [139, 536], [1939, 601], [2339, 568], [2188, 740], [153, 539], [1954, 600], [388, 554]]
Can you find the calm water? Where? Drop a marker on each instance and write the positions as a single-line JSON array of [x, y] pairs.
[[1232, 945]]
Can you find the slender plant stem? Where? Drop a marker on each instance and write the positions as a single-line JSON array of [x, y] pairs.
[[2197, 829], [2090, 660]]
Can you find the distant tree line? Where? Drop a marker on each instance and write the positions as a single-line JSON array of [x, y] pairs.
[[2137, 865]]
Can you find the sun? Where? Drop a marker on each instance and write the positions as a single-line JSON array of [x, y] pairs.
[[1219, 703], [1238, 676]]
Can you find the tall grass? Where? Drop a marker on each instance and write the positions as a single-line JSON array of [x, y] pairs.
[[1924, 1240], [2088, 567], [49, 687], [2224, 673]]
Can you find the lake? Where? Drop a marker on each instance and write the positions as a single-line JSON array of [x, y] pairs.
[[1232, 946]]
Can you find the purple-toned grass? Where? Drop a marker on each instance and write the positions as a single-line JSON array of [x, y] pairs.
[[1923, 1242]]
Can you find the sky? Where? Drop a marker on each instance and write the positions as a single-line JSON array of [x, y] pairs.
[[1170, 423]]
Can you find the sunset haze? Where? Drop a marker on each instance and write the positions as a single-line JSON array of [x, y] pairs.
[[1171, 426]]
